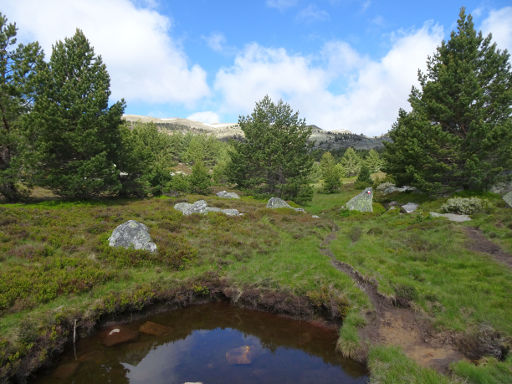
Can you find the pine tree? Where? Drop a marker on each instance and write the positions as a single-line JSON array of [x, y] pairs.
[[275, 156], [350, 163], [373, 161], [330, 173], [363, 179], [200, 180], [18, 65], [78, 136], [459, 132]]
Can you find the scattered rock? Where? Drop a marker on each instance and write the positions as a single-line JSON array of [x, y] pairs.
[[239, 356], [315, 217], [132, 234], [228, 195], [202, 207], [508, 198], [276, 202], [361, 202], [387, 188], [154, 329], [409, 207], [65, 371], [452, 216], [118, 335]]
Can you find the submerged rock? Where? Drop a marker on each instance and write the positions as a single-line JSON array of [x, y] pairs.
[[65, 371], [118, 335], [228, 195], [202, 207], [154, 329], [409, 207], [452, 217], [508, 198], [361, 202], [132, 234]]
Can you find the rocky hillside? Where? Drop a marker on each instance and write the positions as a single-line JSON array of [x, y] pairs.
[[327, 140]]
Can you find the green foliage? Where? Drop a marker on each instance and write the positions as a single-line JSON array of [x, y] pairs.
[[275, 157], [464, 205], [19, 64], [488, 371], [363, 179], [350, 163], [373, 161], [200, 180], [330, 173], [145, 161], [77, 134], [459, 132]]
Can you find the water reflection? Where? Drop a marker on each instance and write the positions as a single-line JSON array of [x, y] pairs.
[[212, 343]]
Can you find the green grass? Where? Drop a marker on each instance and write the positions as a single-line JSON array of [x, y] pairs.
[[488, 371]]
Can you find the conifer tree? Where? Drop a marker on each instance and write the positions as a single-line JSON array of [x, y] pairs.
[[18, 65], [373, 161], [350, 163], [275, 156], [78, 135], [330, 173], [459, 132]]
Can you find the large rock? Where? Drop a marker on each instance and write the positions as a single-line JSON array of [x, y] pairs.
[[508, 198], [409, 207], [276, 202], [452, 216], [361, 202], [228, 195], [202, 207], [132, 234], [387, 188]]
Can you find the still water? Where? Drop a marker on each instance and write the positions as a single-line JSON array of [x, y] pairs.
[[209, 344]]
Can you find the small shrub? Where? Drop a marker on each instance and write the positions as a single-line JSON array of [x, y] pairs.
[[464, 205]]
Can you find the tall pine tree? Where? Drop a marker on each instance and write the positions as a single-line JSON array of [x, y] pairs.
[[459, 132], [275, 156], [77, 133], [18, 66]]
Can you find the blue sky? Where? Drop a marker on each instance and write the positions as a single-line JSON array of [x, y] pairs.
[[344, 64]]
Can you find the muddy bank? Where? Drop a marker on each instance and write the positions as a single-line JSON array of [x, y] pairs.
[[47, 344]]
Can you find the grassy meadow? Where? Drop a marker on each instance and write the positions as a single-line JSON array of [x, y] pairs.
[[56, 265]]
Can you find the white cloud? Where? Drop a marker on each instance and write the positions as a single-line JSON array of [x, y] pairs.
[[499, 23], [375, 89], [208, 117], [216, 41], [281, 4], [312, 14], [144, 62]]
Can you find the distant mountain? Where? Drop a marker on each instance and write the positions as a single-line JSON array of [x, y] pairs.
[[326, 140]]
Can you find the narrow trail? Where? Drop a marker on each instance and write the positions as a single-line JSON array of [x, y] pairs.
[[389, 324], [479, 243]]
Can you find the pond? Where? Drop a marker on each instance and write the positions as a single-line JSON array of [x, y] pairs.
[[210, 343]]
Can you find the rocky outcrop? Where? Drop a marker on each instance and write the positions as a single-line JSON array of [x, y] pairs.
[[409, 208], [202, 207], [361, 202], [228, 195], [387, 188], [508, 198], [132, 234], [452, 217]]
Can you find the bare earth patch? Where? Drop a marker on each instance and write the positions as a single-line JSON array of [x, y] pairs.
[[479, 243], [389, 324]]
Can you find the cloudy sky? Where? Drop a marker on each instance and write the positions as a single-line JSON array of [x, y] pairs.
[[343, 64]]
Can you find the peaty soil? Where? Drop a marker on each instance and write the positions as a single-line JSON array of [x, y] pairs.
[[479, 243], [394, 322]]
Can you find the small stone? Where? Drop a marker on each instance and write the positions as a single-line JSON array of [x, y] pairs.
[[409, 208], [228, 195], [452, 217], [132, 234], [361, 202], [118, 335], [315, 217]]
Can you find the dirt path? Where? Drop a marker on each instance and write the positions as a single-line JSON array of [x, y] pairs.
[[479, 243], [392, 325]]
